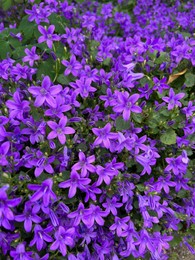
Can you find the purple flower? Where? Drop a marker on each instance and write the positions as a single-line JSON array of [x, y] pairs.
[[105, 174], [161, 240], [4, 149], [145, 241], [6, 213], [160, 85], [29, 215], [39, 13], [111, 204], [91, 192], [74, 182], [31, 56], [84, 164], [164, 183], [59, 109], [78, 214], [120, 225], [44, 163], [43, 191], [94, 214], [107, 98], [60, 130], [6, 239], [18, 108], [48, 35], [176, 165], [40, 236], [62, 239], [20, 253], [126, 104], [146, 91], [83, 87], [46, 92], [173, 100], [73, 66], [104, 135], [188, 111]]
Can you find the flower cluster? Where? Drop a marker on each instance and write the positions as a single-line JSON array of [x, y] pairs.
[[97, 124]]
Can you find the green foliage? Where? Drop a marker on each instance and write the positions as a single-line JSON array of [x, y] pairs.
[[169, 137], [190, 79], [121, 124]]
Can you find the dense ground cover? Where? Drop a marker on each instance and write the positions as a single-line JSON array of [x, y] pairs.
[[97, 126]]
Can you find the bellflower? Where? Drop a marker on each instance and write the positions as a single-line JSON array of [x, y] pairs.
[[18, 107], [6, 214], [44, 163], [63, 238], [29, 216], [43, 191], [84, 164], [45, 93], [60, 130], [188, 111], [78, 214], [41, 236], [104, 135], [6, 238], [173, 99], [111, 204], [83, 87], [126, 104], [31, 56], [144, 242], [4, 149], [104, 174], [164, 183], [94, 214], [20, 253], [74, 182], [48, 35], [120, 225], [72, 67], [176, 165]]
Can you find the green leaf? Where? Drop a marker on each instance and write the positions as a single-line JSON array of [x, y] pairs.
[[137, 117], [81, 147], [46, 69], [164, 56], [121, 124], [106, 62], [4, 48], [140, 187], [27, 28], [169, 137], [59, 22], [176, 240], [64, 80], [193, 226], [6, 4], [190, 79], [156, 227]]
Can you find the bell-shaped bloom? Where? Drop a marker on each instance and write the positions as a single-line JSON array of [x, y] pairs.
[[104, 135], [74, 182], [126, 104], [44, 191], [6, 213], [173, 99], [46, 93], [60, 130], [62, 239], [48, 35]]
